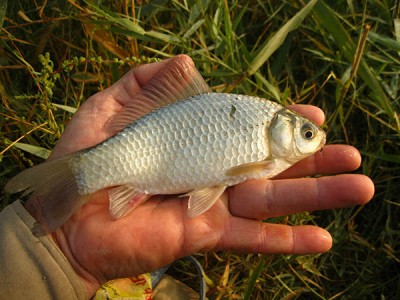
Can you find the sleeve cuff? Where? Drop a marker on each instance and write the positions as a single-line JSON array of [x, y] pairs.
[[32, 267]]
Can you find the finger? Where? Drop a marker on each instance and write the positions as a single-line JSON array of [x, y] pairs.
[[261, 199], [309, 111], [252, 236], [131, 83], [332, 159]]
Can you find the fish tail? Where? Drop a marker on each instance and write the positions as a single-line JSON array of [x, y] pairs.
[[54, 190]]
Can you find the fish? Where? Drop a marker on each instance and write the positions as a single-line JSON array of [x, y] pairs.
[[176, 137]]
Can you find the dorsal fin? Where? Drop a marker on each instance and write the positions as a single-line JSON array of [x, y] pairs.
[[178, 80]]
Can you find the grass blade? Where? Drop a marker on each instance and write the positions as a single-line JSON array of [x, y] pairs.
[[277, 40], [327, 18], [252, 280], [193, 29], [384, 41], [35, 150], [3, 10], [117, 19], [392, 158], [67, 108]]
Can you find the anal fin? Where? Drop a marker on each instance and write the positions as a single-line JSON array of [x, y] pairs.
[[200, 200], [124, 199]]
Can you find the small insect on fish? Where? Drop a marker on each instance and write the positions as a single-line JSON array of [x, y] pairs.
[[175, 137]]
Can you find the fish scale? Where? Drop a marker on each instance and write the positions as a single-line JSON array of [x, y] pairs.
[[186, 145]]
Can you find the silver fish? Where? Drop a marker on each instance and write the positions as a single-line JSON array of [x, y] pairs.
[[176, 137]]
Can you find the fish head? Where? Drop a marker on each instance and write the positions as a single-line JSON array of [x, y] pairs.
[[293, 137]]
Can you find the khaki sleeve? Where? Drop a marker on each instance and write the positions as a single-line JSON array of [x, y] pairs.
[[32, 267]]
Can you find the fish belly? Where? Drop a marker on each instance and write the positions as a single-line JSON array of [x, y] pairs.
[[181, 147]]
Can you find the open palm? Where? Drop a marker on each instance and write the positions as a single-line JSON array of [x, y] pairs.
[[158, 232]]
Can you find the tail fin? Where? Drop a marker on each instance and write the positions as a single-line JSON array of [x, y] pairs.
[[55, 195]]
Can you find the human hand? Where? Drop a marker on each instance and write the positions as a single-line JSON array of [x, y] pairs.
[[158, 232]]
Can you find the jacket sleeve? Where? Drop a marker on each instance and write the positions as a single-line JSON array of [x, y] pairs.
[[32, 267]]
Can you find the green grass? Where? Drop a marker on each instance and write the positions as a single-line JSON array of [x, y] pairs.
[[247, 47]]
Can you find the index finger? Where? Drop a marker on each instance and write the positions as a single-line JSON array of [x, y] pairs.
[[311, 112]]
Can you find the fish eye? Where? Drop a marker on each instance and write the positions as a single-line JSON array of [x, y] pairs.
[[307, 132]]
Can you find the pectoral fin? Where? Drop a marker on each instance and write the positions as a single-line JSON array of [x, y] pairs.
[[124, 199], [200, 200], [250, 168]]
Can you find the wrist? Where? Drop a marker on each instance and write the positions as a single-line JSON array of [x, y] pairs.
[[89, 281]]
